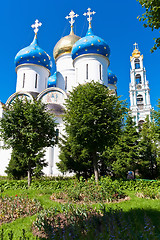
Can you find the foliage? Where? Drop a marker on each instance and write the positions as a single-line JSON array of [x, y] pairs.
[[93, 120], [11, 235], [151, 17], [149, 162], [28, 128], [16, 168], [84, 222], [88, 191], [12, 208], [125, 153]]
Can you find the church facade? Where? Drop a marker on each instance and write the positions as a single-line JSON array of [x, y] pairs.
[[78, 60]]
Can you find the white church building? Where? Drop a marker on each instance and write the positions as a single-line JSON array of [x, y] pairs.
[[78, 60]]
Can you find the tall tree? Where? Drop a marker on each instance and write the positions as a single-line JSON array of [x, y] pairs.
[[149, 162], [28, 128], [151, 17], [125, 153], [93, 120]]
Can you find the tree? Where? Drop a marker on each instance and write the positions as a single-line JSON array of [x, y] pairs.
[[149, 162], [17, 167], [125, 154], [151, 17], [93, 120], [28, 128]]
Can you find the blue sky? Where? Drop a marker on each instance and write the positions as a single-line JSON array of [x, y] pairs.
[[115, 21]]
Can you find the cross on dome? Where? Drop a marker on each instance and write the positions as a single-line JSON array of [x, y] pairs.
[[36, 25], [136, 45], [72, 15], [89, 13]]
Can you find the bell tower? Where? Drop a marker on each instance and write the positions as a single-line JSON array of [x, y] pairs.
[[140, 105]]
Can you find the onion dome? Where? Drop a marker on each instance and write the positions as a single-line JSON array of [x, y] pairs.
[[112, 79], [136, 53], [33, 54], [65, 44], [52, 80], [90, 44]]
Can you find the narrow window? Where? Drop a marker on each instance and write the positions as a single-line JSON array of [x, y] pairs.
[[86, 71], [138, 79], [100, 72], [65, 82], [137, 63], [36, 80], [23, 80], [57, 135]]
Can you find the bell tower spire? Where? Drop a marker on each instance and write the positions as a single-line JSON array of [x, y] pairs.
[[140, 105]]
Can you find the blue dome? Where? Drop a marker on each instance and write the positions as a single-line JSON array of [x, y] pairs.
[[33, 54], [90, 44], [52, 80], [112, 79]]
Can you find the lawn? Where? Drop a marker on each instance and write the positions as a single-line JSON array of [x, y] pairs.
[[72, 209]]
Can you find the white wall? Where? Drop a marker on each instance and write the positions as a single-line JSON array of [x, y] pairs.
[[65, 70], [94, 61], [28, 82]]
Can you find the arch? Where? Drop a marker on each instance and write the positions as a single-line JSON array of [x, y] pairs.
[[138, 79], [140, 124], [137, 63], [139, 98], [19, 94]]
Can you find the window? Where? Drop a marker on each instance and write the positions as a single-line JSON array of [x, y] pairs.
[[57, 135], [36, 80], [23, 80], [139, 99], [100, 72], [86, 71], [137, 63], [140, 124], [138, 79], [65, 82]]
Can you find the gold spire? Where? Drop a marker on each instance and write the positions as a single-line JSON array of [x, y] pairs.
[[136, 53]]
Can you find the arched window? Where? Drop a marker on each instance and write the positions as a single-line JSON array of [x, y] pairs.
[[140, 124], [137, 63], [140, 102], [138, 79], [139, 99]]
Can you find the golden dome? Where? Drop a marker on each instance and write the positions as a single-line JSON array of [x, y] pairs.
[[65, 44], [136, 53]]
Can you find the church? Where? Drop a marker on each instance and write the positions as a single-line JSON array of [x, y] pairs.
[[78, 60]]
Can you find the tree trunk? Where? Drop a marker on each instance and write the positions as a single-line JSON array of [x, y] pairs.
[[95, 167], [29, 177]]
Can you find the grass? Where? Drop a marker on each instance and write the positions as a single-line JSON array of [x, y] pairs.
[[134, 207]]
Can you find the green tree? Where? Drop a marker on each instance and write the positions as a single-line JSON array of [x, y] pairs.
[[17, 167], [28, 128], [151, 17], [149, 163], [125, 154], [93, 120]]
